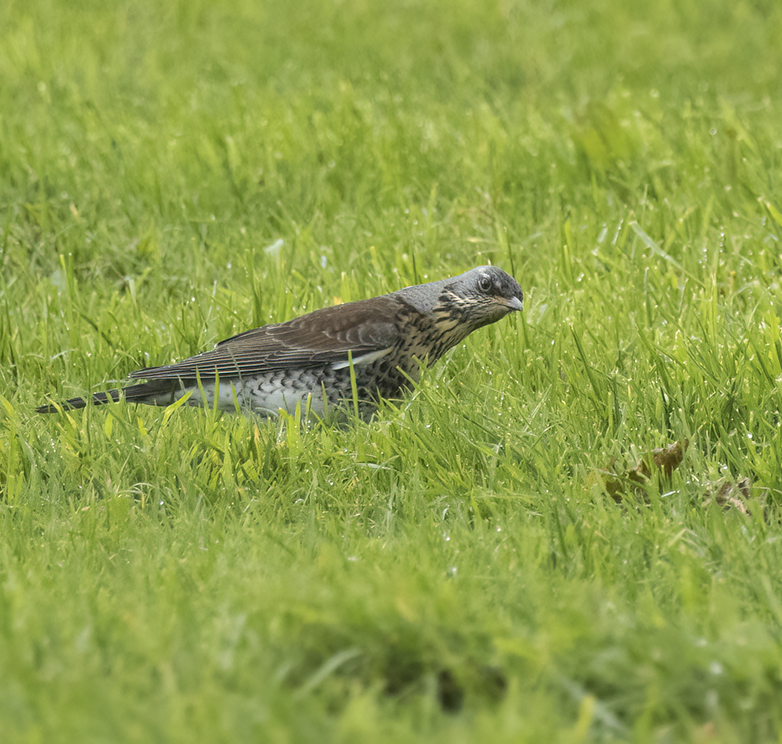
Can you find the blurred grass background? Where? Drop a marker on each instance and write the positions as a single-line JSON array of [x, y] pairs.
[[453, 570]]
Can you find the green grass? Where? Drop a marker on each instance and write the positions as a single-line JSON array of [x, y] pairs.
[[454, 569]]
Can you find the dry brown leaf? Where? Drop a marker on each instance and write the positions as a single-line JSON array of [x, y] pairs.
[[731, 495], [663, 460]]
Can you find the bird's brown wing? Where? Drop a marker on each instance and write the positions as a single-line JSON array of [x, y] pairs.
[[327, 336]]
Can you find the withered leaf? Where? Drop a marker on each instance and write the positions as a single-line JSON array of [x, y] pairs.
[[731, 495], [663, 460]]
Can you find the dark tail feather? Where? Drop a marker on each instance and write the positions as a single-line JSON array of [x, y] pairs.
[[156, 393], [98, 399]]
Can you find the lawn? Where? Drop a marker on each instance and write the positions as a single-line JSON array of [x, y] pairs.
[[569, 532]]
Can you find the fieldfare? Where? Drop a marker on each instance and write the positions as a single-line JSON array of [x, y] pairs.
[[308, 361]]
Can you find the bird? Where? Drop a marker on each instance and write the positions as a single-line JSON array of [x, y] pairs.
[[363, 351]]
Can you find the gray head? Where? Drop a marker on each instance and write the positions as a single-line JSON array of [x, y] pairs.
[[480, 285], [481, 296], [466, 302]]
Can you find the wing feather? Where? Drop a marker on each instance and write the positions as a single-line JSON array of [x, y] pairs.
[[328, 336]]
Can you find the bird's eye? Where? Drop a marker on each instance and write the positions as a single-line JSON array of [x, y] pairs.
[[484, 284]]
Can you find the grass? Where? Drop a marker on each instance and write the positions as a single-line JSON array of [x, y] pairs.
[[454, 570]]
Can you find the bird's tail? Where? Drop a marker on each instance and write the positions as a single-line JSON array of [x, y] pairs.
[[156, 393]]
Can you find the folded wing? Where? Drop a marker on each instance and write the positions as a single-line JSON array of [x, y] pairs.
[[333, 335]]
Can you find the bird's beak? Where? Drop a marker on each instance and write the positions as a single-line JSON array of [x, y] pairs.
[[514, 303]]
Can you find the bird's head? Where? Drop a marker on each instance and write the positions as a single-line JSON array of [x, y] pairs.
[[479, 297]]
